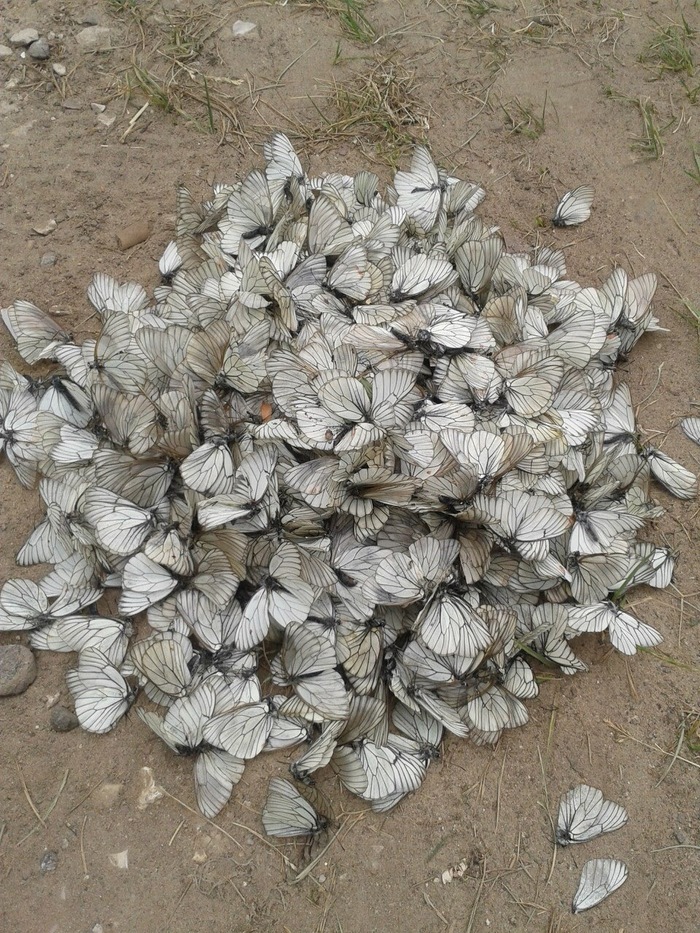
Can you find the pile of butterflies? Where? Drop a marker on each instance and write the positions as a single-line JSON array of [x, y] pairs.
[[347, 475]]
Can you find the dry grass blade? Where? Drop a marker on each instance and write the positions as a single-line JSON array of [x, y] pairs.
[[344, 829], [28, 796], [380, 106], [625, 734], [679, 746], [522, 119], [649, 142], [477, 898], [176, 91]]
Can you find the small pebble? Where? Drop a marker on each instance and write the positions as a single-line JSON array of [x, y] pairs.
[[107, 795], [24, 37], [44, 227], [133, 234], [98, 108], [106, 119], [71, 103], [91, 18], [5, 52], [40, 50], [94, 38], [49, 862], [62, 719], [681, 837], [17, 669], [240, 28], [59, 70], [97, 928]]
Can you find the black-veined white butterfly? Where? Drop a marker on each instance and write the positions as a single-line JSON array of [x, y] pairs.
[[599, 878], [100, 693], [626, 633], [36, 334], [574, 207], [308, 663], [584, 814], [182, 729], [286, 813]]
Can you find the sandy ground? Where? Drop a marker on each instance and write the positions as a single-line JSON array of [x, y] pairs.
[[529, 99]]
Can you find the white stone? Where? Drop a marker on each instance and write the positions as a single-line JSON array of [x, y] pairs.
[[59, 70], [94, 38], [241, 28], [24, 37]]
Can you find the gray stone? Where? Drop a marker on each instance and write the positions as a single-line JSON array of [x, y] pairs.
[[17, 669], [49, 862], [63, 720], [94, 38], [40, 50], [59, 70], [24, 37], [5, 52], [91, 18]]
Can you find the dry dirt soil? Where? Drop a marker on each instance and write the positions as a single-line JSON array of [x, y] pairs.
[[528, 98]]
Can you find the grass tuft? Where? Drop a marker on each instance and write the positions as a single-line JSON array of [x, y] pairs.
[[476, 8], [522, 119], [694, 173], [669, 49], [649, 142], [381, 106], [355, 24]]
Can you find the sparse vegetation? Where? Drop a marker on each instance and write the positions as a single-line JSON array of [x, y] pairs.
[[355, 24], [694, 173], [522, 119], [381, 105], [476, 8], [669, 49], [649, 142]]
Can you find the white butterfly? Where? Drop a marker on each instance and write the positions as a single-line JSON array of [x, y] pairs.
[[120, 526], [282, 598], [599, 878], [625, 632], [76, 633], [574, 207], [36, 334], [319, 753], [675, 478], [182, 729], [308, 663], [163, 662], [286, 813], [19, 435], [584, 814], [420, 191], [101, 695], [691, 428]]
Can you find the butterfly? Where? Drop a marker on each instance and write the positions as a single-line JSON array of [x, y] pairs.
[[286, 813], [584, 814], [599, 878], [100, 693], [307, 664], [182, 729], [574, 207]]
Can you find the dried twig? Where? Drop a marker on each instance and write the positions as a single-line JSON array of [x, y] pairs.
[[28, 796]]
